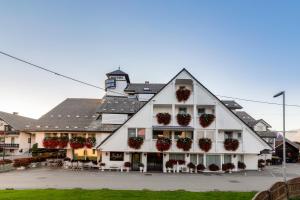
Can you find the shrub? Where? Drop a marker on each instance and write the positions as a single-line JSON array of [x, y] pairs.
[[22, 162], [200, 167], [213, 167], [227, 166], [5, 161], [191, 165], [241, 165]]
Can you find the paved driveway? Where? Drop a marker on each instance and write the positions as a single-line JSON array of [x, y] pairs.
[[59, 178]]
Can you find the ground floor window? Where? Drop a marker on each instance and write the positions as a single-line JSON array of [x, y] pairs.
[[213, 159], [227, 159], [176, 156], [193, 159], [84, 154], [240, 158], [200, 159], [116, 156]]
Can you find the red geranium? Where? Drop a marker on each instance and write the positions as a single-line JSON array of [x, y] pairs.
[[183, 94], [205, 144], [206, 120], [50, 142], [163, 144]]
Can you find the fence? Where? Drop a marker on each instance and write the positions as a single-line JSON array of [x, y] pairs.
[[281, 191]]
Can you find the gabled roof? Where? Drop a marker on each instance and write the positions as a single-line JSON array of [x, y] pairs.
[[119, 105], [118, 72], [279, 142], [73, 114], [16, 121], [245, 117], [267, 134], [232, 104], [139, 88], [204, 88]]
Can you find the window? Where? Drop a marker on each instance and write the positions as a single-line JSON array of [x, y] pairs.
[[201, 111], [228, 135], [239, 136], [200, 159], [182, 134], [136, 132], [29, 140], [213, 159], [227, 159], [182, 110], [240, 158], [116, 156], [157, 134], [176, 156], [193, 158], [7, 128]]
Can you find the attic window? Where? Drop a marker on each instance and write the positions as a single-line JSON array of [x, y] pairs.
[[67, 127], [77, 116], [58, 115], [75, 127], [146, 89], [68, 115]]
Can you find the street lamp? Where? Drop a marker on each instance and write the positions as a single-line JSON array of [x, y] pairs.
[[283, 141]]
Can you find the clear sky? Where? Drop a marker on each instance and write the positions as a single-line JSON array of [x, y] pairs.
[[247, 49]]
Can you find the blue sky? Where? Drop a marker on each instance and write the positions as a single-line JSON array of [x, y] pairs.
[[247, 49]]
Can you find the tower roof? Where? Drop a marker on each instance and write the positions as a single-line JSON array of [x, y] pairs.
[[119, 72]]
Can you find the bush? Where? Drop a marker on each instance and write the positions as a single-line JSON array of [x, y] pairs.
[[191, 165], [200, 167], [127, 164], [22, 162], [5, 161], [241, 165], [227, 167], [213, 167]]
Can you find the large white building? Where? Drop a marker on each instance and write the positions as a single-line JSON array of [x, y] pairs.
[[150, 124]]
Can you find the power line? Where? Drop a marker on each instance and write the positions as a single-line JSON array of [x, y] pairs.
[[95, 86]]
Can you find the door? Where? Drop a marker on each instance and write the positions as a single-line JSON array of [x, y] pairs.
[[155, 162], [135, 160]]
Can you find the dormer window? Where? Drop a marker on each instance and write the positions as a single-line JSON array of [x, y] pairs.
[[146, 89]]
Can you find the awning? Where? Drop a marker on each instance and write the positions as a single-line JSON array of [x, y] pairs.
[[173, 128]]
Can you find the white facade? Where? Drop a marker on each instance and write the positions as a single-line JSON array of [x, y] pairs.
[[250, 144]]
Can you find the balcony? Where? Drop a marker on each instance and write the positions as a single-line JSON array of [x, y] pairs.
[[9, 146], [11, 132]]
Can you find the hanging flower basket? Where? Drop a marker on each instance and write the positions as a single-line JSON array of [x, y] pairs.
[[77, 142], [206, 119], [163, 144], [63, 142], [205, 144], [241, 165], [184, 143], [228, 167], [50, 142], [163, 118], [135, 142], [231, 144], [183, 94], [183, 119], [90, 142], [213, 167]]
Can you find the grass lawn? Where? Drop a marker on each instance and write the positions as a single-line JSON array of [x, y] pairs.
[[76, 194]]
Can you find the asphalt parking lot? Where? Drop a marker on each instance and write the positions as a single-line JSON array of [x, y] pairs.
[[41, 178]]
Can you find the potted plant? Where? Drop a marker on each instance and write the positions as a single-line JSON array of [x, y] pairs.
[[127, 165], [268, 162], [183, 119], [191, 167], [77, 142], [261, 164], [213, 167], [102, 166], [141, 166], [50, 142], [231, 144], [182, 94], [205, 144], [90, 142], [184, 143], [228, 167], [200, 167], [63, 142], [163, 118], [169, 165], [163, 144], [135, 142], [206, 119]]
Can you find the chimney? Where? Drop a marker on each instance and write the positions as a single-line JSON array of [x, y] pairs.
[[15, 113]]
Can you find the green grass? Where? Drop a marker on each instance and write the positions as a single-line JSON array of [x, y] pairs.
[[76, 194]]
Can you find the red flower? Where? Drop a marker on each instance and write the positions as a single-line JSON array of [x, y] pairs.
[[183, 94], [135, 142], [184, 143], [206, 119], [163, 144], [231, 144], [205, 144], [163, 118], [50, 142], [183, 119]]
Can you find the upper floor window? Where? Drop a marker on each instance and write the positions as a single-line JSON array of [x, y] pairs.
[[239, 135], [157, 134], [182, 110], [7, 128], [136, 132], [183, 134], [201, 111], [228, 135]]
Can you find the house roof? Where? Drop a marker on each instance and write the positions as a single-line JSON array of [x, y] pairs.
[[16, 121], [144, 88], [118, 72], [245, 117], [107, 138], [232, 104], [267, 134], [73, 114], [119, 105], [279, 142]]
